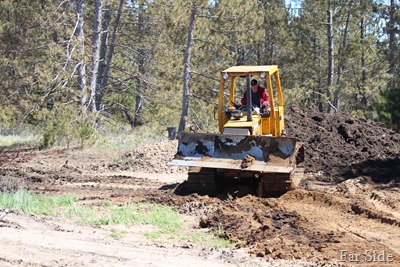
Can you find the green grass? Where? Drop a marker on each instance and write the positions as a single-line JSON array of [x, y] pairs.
[[165, 218], [168, 224], [116, 234], [84, 215], [205, 239], [35, 204]]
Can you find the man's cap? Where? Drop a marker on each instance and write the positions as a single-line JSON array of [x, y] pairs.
[[254, 82]]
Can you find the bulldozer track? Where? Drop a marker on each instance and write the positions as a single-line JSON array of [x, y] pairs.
[[201, 181], [212, 182]]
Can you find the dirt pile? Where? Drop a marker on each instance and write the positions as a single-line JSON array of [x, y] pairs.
[[299, 225], [342, 146], [149, 158]]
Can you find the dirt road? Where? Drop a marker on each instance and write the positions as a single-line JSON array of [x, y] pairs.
[[346, 211]]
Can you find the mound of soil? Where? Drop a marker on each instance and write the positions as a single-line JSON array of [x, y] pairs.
[[149, 158], [286, 227], [340, 146]]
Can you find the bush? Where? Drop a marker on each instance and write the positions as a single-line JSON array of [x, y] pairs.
[[389, 108], [67, 126]]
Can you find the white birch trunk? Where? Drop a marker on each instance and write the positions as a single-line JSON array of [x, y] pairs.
[[138, 119], [96, 53], [81, 38]]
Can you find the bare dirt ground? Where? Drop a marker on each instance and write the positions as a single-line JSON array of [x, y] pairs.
[[346, 211]]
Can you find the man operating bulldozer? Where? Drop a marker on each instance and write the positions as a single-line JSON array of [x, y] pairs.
[[250, 154], [259, 97]]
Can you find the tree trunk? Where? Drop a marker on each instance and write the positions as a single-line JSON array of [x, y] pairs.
[[138, 119], [81, 65], [102, 57], [240, 58], [330, 54], [364, 99], [128, 117], [185, 98], [258, 47], [392, 32], [96, 54], [341, 62], [111, 46], [319, 87]]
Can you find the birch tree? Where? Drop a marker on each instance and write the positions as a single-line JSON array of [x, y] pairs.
[[138, 119], [79, 5], [96, 42]]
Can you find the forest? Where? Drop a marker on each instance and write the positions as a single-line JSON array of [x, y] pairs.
[[74, 68]]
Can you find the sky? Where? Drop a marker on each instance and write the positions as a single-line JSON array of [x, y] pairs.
[[293, 3]]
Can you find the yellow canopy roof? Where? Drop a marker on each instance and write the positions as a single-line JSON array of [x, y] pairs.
[[244, 70]]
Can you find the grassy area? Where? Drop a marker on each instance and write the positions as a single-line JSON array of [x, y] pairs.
[[35, 204], [168, 224], [165, 218], [118, 136], [124, 137], [13, 140], [207, 238]]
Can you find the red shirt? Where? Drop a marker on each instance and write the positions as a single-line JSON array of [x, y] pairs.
[[264, 98]]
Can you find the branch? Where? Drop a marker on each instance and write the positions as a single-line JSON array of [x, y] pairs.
[[327, 100], [19, 51], [204, 75]]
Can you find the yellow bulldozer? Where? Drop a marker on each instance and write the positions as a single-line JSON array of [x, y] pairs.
[[251, 154]]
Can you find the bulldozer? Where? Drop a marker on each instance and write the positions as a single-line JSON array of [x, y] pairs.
[[251, 154]]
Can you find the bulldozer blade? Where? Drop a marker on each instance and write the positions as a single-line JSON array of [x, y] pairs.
[[262, 154]]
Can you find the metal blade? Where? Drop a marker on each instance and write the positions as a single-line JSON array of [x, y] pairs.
[[271, 154]]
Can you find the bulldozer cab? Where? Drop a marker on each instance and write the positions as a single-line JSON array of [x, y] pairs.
[[233, 121]]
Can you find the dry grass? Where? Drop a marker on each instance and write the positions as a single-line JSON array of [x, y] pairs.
[[18, 140]]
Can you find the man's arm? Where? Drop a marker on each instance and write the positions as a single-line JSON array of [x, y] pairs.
[[265, 99]]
